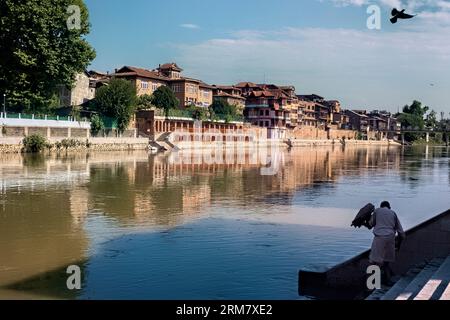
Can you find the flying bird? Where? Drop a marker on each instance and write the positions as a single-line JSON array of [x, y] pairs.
[[399, 15]]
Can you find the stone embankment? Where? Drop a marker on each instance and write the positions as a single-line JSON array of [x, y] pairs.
[[14, 145]]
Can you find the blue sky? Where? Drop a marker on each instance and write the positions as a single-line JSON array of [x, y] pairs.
[[320, 46]]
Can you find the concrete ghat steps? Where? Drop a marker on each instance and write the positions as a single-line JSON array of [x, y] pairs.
[[429, 281], [420, 280], [400, 286], [437, 284]]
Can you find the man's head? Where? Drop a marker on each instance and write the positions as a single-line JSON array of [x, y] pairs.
[[385, 204]]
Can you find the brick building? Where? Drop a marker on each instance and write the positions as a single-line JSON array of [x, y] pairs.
[[189, 91]]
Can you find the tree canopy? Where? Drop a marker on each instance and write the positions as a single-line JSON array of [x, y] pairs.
[[144, 102], [220, 107], [117, 100], [164, 98], [42, 46], [413, 117]]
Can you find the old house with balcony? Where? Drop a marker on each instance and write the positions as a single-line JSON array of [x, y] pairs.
[[321, 110], [307, 110], [189, 91], [269, 110], [335, 115], [358, 120]]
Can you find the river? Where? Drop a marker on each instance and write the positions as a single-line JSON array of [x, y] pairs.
[[200, 224]]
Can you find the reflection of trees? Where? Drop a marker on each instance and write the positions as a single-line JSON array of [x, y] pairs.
[[34, 160], [111, 190], [413, 162], [36, 233]]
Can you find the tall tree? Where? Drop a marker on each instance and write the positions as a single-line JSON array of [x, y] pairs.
[[413, 117], [117, 100], [431, 120], [165, 99], [223, 108], [144, 102], [42, 46]]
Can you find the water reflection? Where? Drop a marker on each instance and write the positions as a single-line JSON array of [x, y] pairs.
[[60, 210]]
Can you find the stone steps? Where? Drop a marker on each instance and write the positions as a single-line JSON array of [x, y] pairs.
[[429, 281]]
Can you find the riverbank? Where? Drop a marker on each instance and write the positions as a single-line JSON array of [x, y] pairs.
[[306, 143], [14, 144]]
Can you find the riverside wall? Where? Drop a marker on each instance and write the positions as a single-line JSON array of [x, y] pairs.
[[14, 144]]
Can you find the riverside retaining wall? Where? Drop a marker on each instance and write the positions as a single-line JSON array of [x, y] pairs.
[[14, 144]]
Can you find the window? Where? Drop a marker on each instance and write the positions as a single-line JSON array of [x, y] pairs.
[[191, 88], [144, 84], [176, 88], [205, 94], [155, 86]]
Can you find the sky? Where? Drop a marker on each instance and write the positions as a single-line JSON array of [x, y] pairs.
[[319, 46]]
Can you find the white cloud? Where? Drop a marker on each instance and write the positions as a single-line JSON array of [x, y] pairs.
[[189, 26], [362, 68], [410, 5]]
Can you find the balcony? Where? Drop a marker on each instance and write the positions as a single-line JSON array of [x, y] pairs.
[[257, 106]]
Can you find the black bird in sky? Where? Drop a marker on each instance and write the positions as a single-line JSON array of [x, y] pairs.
[[399, 15]]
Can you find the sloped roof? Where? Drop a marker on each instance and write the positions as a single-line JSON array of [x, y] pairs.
[[246, 84], [170, 66], [262, 93], [140, 72], [224, 94]]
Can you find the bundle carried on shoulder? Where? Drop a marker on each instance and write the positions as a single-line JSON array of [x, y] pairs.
[[363, 216]]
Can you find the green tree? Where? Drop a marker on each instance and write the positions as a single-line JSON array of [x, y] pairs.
[[144, 102], [223, 108], [431, 120], [199, 113], [412, 117], [96, 124], [117, 100], [39, 52], [164, 98]]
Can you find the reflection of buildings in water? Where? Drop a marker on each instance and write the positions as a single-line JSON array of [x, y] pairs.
[[240, 176], [79, 205], [144, 207], [195, 198]]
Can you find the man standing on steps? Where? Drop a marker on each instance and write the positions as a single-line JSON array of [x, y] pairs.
[[386, 225]]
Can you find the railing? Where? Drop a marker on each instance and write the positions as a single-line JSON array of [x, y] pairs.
[[189, 114], [26, 116]]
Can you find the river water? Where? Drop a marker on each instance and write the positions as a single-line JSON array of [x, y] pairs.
[[200, 225]]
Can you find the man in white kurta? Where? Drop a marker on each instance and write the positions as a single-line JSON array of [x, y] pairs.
[[386, 226]]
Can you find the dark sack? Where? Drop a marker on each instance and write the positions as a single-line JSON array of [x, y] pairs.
[[363, 216]]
